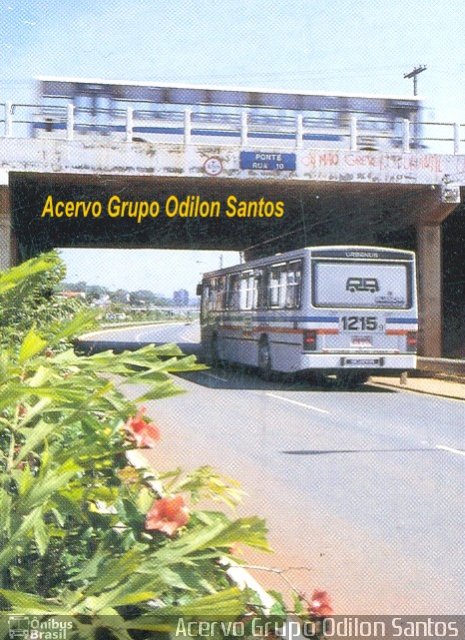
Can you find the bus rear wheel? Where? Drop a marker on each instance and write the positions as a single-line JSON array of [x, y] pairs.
[[264, 360]]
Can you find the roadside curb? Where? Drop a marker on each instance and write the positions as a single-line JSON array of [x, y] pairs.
[[428, 392]]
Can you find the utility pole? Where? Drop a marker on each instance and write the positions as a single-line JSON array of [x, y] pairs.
[[413, 74]]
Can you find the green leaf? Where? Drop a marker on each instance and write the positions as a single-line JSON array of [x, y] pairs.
[[205, 483], [58, 517], [31, 346], [32, 412], [41, 377], [219, 532], [226, 604], [188, 363], [83, 320], [116, 628], [50, 483], [66, 394], [16, 275], [6, 501], [132, 588], [41, 536], [34, 437], [114, 570], [11, 392], [25, 479], [19, 537], [28, 603], [144, 499], [250, 531], [162, 390], [91, 568], [188, 578]]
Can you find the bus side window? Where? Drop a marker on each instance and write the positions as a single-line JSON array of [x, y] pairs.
[[233, 292], [259, 301], [277, 286], [293, 285], [216, 294], [247, 290], [207, 298], [219, 293]]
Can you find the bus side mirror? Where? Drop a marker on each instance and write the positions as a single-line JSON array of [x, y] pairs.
[[199, 289]]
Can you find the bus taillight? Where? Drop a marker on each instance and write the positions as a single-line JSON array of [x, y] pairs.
[[309, 340], [411, 341]]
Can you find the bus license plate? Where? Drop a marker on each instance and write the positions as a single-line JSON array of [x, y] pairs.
[[362, 362]]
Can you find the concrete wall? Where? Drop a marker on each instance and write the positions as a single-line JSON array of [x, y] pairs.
[[8, 245], [96, 154], [430, 289]]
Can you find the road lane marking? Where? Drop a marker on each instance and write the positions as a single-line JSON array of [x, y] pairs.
[[210, 375], [450, 449], [299, 404]]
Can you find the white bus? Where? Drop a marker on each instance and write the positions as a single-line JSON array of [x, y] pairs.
[[344, 310]]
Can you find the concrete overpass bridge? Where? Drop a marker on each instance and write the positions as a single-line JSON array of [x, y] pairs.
[[258, 186]]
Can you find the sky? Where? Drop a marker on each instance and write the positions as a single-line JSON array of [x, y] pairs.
[[133, 269], [339, 45]]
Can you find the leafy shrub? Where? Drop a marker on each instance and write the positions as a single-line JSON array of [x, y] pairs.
[[28, 298], [109, 548], [82, 532]]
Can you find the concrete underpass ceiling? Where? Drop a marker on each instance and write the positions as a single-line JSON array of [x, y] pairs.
[[314, 212]]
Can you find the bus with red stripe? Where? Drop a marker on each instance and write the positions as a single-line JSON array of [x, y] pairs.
[[344, 310]]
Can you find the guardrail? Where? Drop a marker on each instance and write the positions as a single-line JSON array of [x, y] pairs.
[[193, 125]]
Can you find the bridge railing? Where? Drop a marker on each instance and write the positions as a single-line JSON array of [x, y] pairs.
[[237, 128]]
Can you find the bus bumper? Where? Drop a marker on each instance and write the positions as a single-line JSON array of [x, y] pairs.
[[373, 362]]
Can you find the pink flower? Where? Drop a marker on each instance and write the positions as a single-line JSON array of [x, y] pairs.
[[167, 515], [320, 606], [234, 549], [144, 434]]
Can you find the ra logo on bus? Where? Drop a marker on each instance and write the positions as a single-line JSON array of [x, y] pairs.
[[362, 284]]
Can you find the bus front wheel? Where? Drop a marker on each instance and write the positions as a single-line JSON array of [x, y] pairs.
[[264, 360]]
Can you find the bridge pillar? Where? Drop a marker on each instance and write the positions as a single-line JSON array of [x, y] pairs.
[[429, 290], [8, 246]]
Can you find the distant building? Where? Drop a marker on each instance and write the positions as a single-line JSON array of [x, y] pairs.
[[71, 294], [181, 298]]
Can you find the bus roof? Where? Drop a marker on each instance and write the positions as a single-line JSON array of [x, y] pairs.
[[336, 251]]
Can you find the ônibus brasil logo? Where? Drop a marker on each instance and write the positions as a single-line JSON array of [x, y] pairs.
[[33, 628]]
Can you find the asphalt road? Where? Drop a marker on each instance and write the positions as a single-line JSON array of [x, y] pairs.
[[363, 491]]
